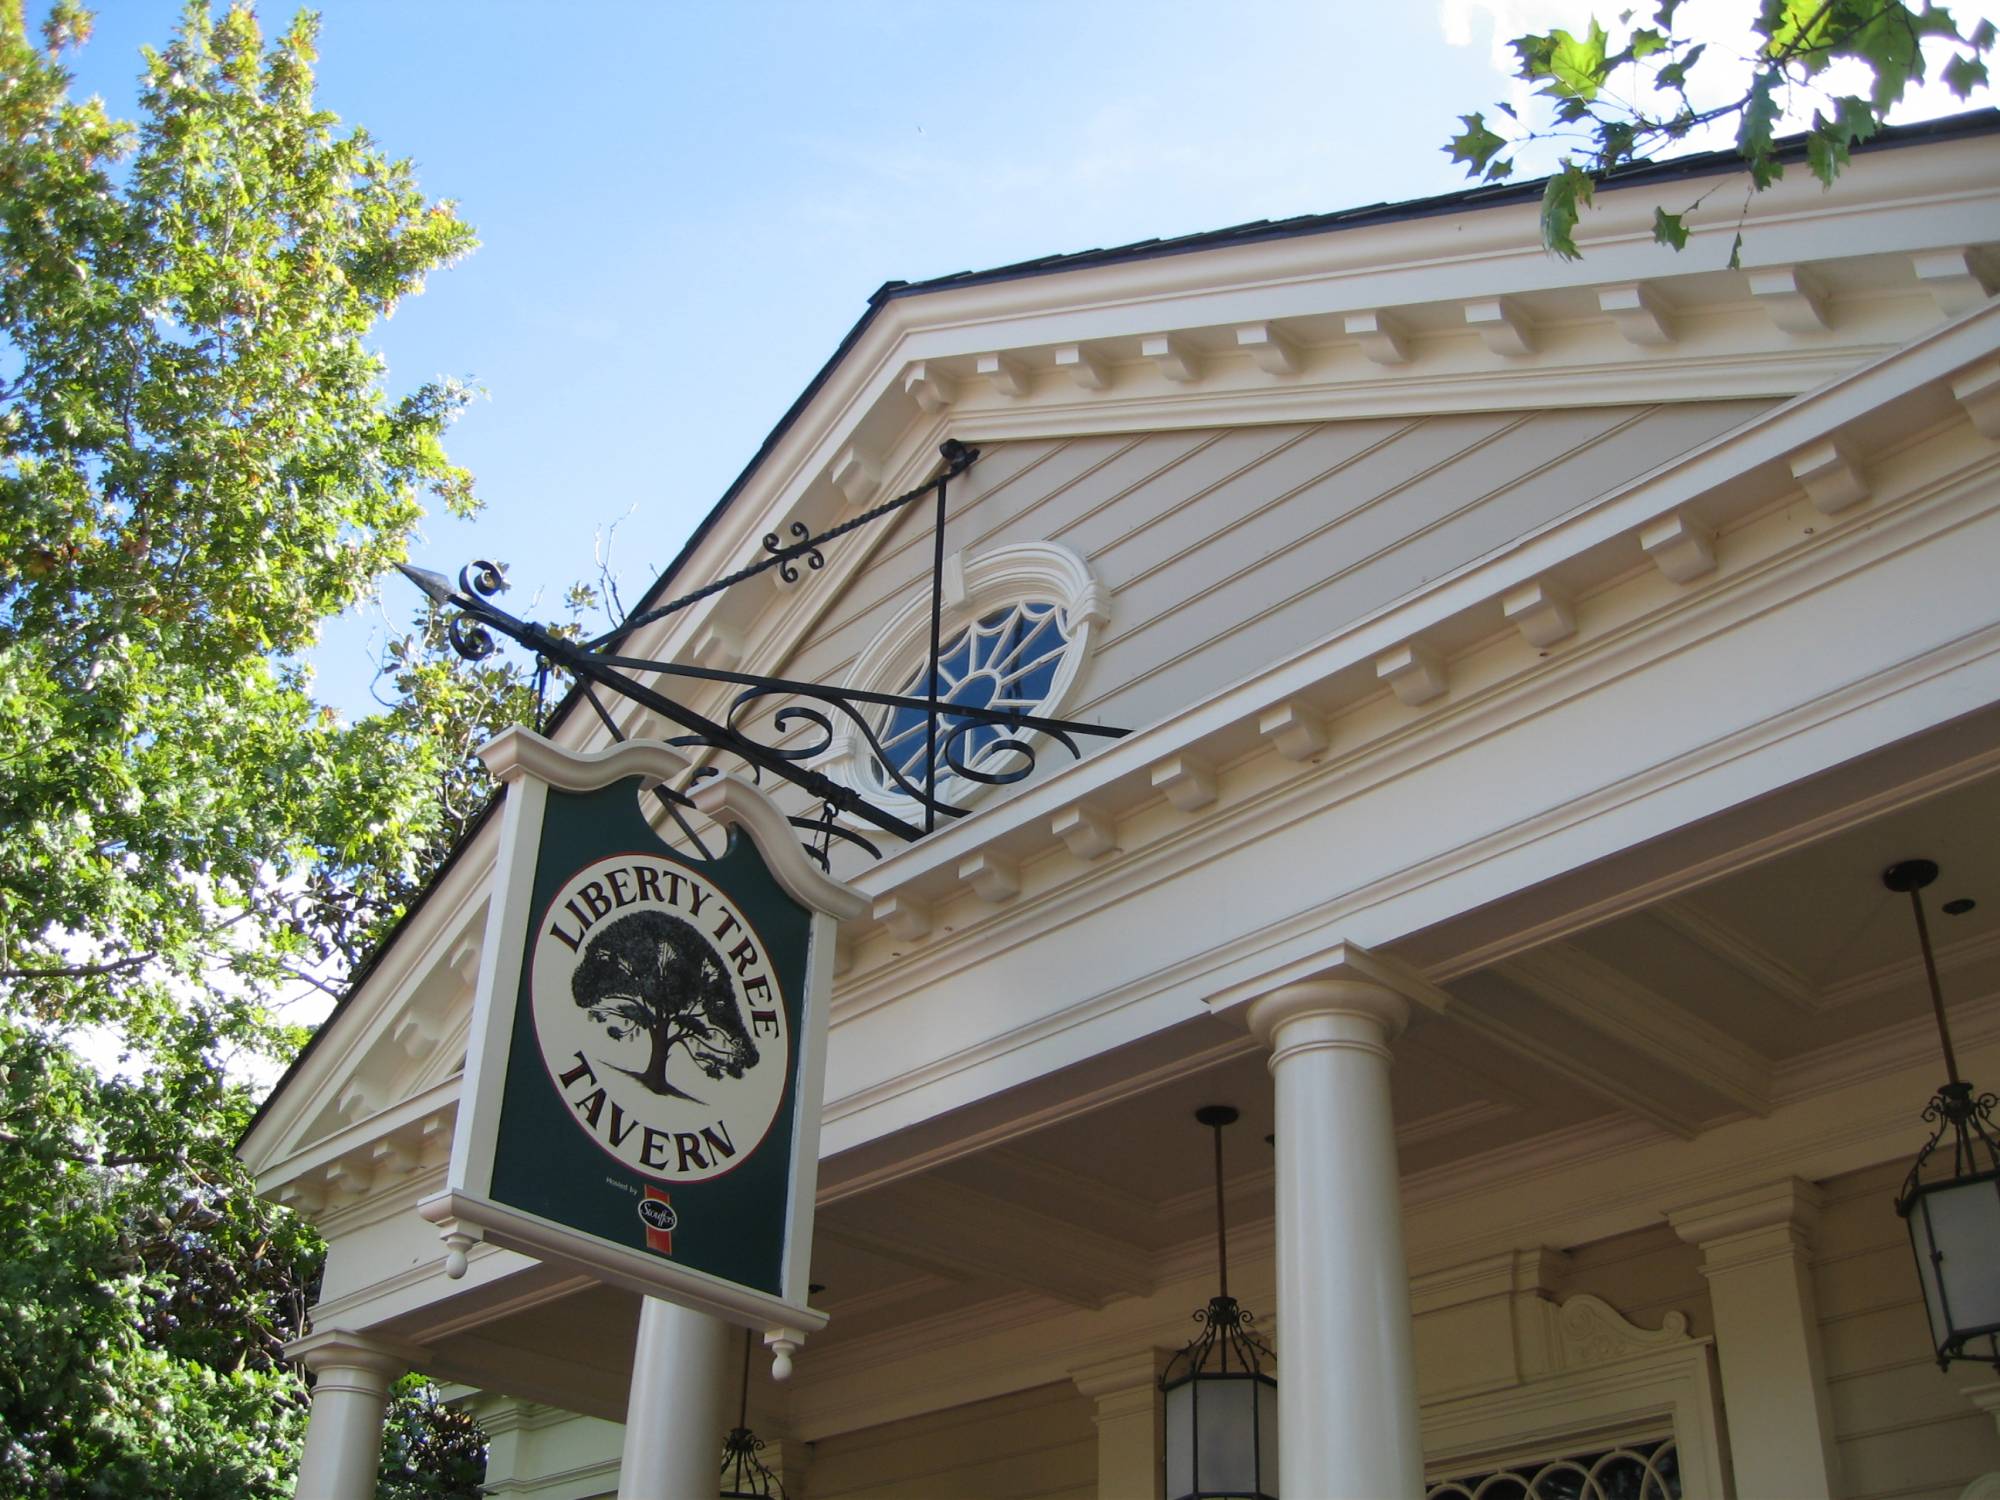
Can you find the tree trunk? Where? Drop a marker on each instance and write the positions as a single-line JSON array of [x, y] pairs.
[[655, 1076]]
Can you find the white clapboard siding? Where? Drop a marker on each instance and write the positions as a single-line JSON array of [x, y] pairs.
[[1033, 1445], [1227, 550], [1904, 1428]]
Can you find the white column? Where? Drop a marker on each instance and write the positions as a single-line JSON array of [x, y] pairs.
[[1347, 1389], [1131, 1435], [1756, 1249], [675, 1415], [344, 1433]]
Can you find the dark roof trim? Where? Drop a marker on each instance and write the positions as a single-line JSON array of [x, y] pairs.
[[1952, 127], [1492, 195]]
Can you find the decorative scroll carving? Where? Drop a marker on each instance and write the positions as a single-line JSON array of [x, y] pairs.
[[1593, 1331]]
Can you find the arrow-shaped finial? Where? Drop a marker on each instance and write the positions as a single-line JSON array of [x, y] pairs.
[[434, 584]]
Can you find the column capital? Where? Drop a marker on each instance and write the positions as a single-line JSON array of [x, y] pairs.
[[1742, 1228], [1385, 1011], [1341, 962], [339, 1349], [1347, 981]]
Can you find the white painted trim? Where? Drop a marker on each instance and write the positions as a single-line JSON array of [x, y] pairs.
[[737, 805], [1768, 438], [516, 752], [1672, 1389]]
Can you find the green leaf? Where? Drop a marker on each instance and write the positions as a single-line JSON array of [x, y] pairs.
[[1829, 143], [1983, 36], [1887, 43], [1533, 54], [1736, 252], [1476, 146], [1798, 28], [1964, 74], [1674, 74], [1669, 230], [1577, 64], [1562, 201], [1755, 134]]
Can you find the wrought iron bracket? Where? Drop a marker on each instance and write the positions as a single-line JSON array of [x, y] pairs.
[[814, 707]]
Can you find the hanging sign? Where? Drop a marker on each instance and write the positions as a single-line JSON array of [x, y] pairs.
[[643, 1078]]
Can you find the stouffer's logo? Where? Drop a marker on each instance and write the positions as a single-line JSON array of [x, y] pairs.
[[658, 1215], [659, 1018]]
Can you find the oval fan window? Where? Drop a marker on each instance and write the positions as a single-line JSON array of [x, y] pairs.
[[1005, 660]]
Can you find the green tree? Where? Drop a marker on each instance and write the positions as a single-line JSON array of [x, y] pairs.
[[1627, 94], [199, 464]]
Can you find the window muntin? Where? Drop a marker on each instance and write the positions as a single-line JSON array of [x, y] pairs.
[[1008, 659], [1004, 611], [1629, 1471]]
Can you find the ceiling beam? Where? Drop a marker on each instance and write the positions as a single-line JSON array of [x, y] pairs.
[[1524, 1042], [955, 1231], [1663, 1033], [1722, 942]]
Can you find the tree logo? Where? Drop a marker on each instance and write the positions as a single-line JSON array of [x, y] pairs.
[[659, 1017]]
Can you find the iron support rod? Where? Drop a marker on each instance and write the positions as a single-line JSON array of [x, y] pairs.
[[931, 682], [958, 458], [1221, 1240], [1010, 718], [1937, 993]]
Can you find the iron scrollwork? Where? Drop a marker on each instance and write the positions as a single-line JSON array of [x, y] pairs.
[[470, 638], [1968, 1118], [800, 546], [1007, 757]]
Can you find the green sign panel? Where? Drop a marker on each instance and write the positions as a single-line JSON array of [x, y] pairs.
[[642, 1087]]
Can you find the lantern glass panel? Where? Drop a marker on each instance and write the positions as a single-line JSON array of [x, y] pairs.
[[1962, 1221], [1267, 1436], [1920, 1243], [1180, 1440], [1225, 1417]]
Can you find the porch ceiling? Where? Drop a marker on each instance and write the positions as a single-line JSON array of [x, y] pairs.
[[1757, 955], [1712, 1004]]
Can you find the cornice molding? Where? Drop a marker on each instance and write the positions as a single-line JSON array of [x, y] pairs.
[[1284, 948]]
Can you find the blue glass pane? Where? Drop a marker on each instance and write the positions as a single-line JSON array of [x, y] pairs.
[[1007, 659]]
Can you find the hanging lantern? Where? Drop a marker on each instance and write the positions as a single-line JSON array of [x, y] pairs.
[[1222, 1401], [744, 1474], [1954, 1220]]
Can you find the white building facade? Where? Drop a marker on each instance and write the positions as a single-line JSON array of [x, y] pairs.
[[1531, 668]]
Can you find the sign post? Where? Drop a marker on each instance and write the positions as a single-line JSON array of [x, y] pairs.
[[643, 1077]]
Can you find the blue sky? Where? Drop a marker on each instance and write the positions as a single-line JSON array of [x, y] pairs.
[[684, 207]]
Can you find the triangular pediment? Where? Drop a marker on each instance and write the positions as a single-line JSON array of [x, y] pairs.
[[1306, 473]]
